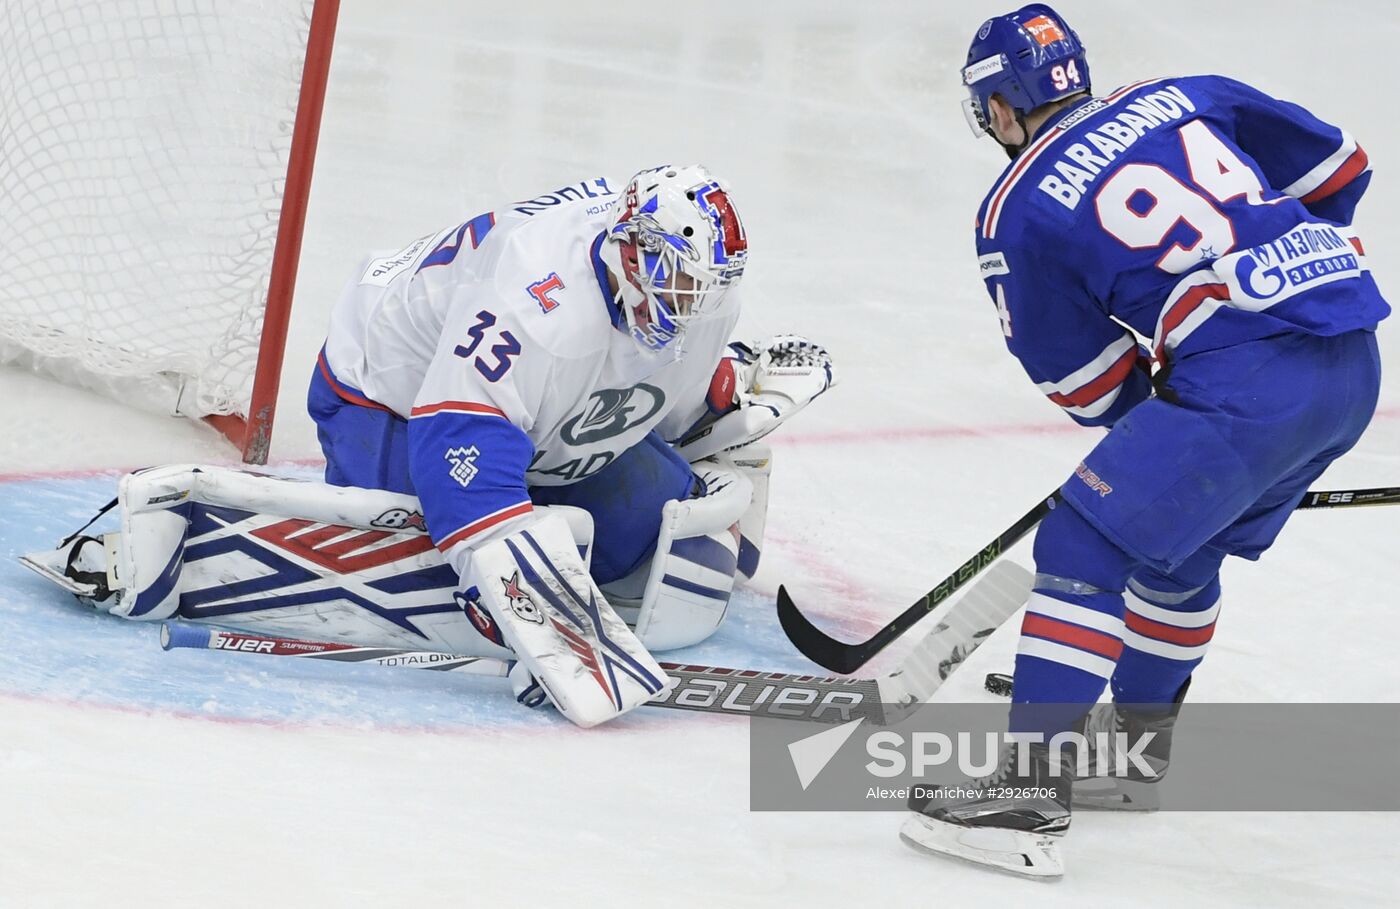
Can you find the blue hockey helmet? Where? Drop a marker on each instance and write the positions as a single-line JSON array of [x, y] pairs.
[[1030, 57]]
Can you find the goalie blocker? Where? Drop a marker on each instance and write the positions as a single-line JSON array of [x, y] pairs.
[[559, 625]]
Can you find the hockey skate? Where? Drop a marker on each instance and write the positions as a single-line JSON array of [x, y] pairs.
[[1110, 788], [78, 565], [1009, 820]]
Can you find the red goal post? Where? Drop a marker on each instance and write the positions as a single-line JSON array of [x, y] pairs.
[[252, 433]]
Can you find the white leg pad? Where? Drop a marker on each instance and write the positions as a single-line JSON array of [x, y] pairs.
[[286, 557], [560, 625], [755, 462], [697, 554], [145, 561]]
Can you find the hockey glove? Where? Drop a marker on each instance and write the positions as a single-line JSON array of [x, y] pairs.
[[770, 381]]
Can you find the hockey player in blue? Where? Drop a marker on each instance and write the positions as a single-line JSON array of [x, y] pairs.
[[1173, 260]]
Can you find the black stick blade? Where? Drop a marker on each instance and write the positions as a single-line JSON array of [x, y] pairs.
[[815, 644], [838, 656]]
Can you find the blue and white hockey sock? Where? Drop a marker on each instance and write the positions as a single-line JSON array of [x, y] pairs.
[[1072, 633], [1168, 626]]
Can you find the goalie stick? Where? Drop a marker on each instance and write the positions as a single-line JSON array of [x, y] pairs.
[[839, 656], [713, 689]]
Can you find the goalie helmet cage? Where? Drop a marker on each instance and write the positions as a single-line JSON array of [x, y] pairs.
[[155, 166]]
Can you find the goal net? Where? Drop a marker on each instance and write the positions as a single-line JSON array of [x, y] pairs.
[[144, 154]]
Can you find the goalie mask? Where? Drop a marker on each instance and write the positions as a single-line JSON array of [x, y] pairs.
[[676, 247]]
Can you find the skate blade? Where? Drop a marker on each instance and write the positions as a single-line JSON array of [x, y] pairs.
[[1116, 795], [51, 564], [1032, 855]]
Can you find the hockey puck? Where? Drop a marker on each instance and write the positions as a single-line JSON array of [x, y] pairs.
[[998, 683]]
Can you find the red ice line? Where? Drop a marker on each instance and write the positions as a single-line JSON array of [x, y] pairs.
[[993, 431], [794, 440], [817, 564]]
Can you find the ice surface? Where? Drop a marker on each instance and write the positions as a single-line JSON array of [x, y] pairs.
[[133, 777]]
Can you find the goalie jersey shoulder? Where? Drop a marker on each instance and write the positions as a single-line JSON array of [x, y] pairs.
[[522, 268], [465, 250]]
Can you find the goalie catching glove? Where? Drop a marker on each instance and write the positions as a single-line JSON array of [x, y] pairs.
[[755, 389]]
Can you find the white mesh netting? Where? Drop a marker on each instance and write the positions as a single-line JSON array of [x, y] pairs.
[[143, 148]]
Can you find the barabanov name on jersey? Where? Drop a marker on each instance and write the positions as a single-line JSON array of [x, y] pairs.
[[1078, 164]]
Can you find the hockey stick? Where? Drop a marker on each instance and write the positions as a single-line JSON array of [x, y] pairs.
[[824, 650], [713, 689], [1348, 498], [838, 656]]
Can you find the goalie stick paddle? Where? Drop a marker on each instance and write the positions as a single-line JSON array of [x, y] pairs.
[[839, 656], [713, 689]]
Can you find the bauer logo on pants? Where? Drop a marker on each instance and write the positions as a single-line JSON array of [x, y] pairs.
[[1092, 480]]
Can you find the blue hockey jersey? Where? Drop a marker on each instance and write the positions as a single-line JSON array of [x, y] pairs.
[[1192, 213]]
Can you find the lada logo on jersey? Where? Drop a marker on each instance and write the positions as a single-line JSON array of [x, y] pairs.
[[611, 412], [520, 602]]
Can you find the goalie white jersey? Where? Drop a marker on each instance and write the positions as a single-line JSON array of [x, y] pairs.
[[498, 340]]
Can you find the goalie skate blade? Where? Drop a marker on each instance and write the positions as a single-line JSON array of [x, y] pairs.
[[1032, 855], [50, 565]]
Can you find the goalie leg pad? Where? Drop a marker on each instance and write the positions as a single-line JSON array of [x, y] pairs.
[[756, 463], [146, 561], [283, 557], [697, 554], [560, 625]]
